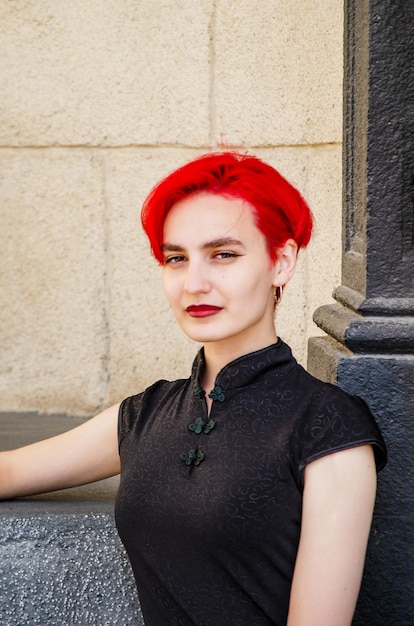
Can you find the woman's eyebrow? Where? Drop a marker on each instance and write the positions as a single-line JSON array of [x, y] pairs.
[[171, 247], [221, 242]]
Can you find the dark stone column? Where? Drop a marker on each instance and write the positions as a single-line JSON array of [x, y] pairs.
[[369, 348]]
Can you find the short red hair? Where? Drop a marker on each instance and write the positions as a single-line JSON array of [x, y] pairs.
[[280, 211]]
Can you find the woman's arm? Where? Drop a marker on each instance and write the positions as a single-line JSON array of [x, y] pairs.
[[338, 503], [81, 455]]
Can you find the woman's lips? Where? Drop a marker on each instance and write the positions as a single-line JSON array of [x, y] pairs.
[[202, 310]]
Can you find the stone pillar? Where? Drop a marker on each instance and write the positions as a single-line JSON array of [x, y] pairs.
[[369, 347]]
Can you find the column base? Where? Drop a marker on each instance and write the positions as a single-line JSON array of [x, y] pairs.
[[386, 383]]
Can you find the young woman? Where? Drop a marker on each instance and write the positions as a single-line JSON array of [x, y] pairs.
[[246, 490]]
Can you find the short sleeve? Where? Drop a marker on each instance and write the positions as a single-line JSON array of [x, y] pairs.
[[135, 410], [338, 421], [128, 412]]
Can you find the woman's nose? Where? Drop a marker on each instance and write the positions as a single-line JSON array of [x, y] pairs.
[[197, 278]]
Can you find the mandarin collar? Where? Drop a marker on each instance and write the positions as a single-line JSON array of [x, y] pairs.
[[246, 369]]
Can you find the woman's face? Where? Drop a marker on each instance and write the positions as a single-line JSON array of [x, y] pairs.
[[217, 274]]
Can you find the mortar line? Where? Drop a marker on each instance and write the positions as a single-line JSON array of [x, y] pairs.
[[212, 76], [307, 313], [173, 146], [106, 356]]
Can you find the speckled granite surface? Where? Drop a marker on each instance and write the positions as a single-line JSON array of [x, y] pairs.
[[61, 561]]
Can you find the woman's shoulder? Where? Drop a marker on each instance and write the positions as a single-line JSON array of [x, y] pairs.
[[319, 392], [337, 420], [159, 390], [147, 402]]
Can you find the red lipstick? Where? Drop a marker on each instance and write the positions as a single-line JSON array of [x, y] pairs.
[[202, 310]]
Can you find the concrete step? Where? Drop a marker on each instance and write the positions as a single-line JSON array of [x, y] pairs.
[[61, 560]]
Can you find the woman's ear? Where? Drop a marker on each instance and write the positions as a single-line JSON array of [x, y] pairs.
[[285, 263]]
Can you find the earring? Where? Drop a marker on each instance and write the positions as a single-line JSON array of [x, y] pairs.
[[278, 294]]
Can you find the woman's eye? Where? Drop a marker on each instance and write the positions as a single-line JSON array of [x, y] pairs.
[[225, 255], [177, 258]]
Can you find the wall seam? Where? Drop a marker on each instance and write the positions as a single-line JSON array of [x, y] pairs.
[[107, 261], [212, 75], [197, 146]]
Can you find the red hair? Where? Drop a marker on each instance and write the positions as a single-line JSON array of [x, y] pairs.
[[280, 211]]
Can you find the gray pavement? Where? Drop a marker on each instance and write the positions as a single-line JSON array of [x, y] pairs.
[[61, 560]]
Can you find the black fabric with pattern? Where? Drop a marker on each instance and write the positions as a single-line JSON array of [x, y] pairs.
[[214, 542]]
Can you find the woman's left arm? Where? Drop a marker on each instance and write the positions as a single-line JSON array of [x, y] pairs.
[[338, 503]]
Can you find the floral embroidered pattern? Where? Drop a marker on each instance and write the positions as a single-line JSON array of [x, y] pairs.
[[200, 426], [198, 391], [217, 394], [193, 457]]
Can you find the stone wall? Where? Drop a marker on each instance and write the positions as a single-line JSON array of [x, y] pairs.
[[99, 100]]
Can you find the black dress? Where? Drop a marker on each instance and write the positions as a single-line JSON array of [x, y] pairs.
[[209, 508]]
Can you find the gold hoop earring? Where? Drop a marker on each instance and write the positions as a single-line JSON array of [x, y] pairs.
[[278, 294]]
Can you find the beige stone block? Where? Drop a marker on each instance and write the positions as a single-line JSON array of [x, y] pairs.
[[146, 343], [324, 256], [53, 331], [105, 72], [317, 173], [278, 72]]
